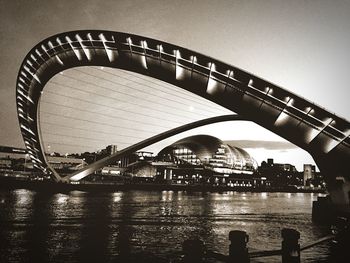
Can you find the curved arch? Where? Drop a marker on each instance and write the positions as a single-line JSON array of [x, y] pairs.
[[137, 146], [323, 134]]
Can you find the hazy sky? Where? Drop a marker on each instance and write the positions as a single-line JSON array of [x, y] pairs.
[[302, 46]]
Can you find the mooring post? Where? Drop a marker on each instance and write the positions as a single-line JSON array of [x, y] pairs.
[[193, 250], [340, 246], [290, 246], [238, 247]]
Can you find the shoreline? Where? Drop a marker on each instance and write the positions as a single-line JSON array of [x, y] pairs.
[[11, 183]]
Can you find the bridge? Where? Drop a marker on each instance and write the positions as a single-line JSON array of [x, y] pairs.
[[311, 127]]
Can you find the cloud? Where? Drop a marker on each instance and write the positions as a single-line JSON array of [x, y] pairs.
[[268, 145]]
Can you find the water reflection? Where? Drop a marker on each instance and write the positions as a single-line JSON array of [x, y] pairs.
[[61, 199], [167, 196], [263, 196], [105, 227], [117, 197]]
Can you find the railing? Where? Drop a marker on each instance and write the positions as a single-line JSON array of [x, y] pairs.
[[194, 250]]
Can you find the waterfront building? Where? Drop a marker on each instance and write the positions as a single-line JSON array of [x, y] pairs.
[[309, 173], [280, 174], [66, 164], [203, 159]]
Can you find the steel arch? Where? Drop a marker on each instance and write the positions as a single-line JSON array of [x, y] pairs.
[[323, 134]]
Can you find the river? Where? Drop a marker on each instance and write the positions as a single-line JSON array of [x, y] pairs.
[[76, 226]]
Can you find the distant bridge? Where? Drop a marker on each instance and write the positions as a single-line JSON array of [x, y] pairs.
[[321, 133]]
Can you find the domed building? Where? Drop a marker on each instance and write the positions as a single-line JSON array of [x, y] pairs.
[[210, 152], [205, 158]]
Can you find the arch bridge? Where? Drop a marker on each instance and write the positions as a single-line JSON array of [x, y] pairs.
[[321, 133]]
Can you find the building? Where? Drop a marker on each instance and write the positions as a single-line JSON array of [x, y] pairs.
[[280, 174], [66, 164], [309, 173], [112, 149], [203, 159]]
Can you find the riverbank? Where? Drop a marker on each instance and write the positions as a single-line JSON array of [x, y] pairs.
[[10, 182]]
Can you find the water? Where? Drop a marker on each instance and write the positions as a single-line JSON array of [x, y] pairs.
[[81, 227]]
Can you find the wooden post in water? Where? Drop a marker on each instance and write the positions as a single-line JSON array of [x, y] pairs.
[[290, 246], [238, 247], [193, 250]]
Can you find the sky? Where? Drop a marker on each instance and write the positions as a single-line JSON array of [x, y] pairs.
[[301, 46]]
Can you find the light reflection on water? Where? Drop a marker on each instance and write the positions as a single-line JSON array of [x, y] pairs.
[[78, 226]]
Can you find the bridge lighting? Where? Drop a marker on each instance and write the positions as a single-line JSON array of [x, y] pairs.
[[177, 53], [194, 59], [179, 70], [27, 97], [281, 119], [59, 60], [30, 63], [86, 50], [43, 47], [21, 87], [309, 110], [18, 97], [128, 40], [250, 83], [38, 53], [290, 102], [76, 52], [51, 45], [89, 37], [58, 40], [144, 44], [21, 79], [28, 70], [160, 48], [314, 133], [27, 129], [108, 51], [33, 57], [212, 86], [24, 75]]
